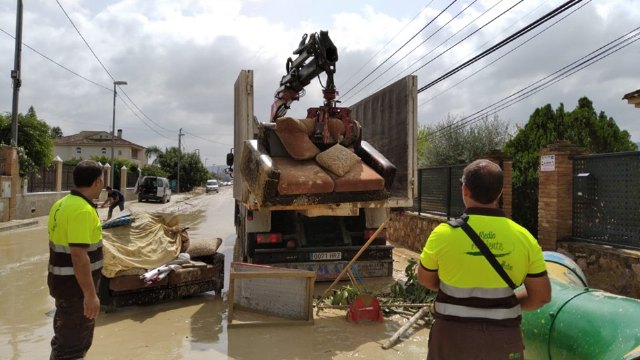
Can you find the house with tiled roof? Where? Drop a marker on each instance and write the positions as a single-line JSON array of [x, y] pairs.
[[87, 144], [633, 98]]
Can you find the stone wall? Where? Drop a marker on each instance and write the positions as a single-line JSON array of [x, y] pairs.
[[410, 230], [607, 268]]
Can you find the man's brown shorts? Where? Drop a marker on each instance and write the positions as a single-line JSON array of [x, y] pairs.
[[451, 340]]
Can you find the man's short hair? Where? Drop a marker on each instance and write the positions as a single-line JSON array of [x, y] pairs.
[[484, 180], [85, 173]]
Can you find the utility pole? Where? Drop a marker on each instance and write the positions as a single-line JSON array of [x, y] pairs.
[[180, 135], [15, 75]]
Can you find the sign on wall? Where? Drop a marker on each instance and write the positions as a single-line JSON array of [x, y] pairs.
[[547, 163]]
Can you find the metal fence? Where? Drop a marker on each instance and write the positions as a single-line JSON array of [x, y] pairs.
[[606, 199], [439, 191], [132, 178]]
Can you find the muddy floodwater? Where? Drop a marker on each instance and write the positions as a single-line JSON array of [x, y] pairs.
[[190, 328]]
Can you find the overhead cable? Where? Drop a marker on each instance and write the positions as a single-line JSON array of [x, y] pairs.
[[585, 61], [458, 42], [550, 15], [388, 42], [504, 55], [401, 47], [412, 50]]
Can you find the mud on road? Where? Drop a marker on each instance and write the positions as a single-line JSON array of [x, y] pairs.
[[190, 328]]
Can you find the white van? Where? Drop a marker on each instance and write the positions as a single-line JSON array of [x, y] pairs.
[[154, 188], [212, 185]]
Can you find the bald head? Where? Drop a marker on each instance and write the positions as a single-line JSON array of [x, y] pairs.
[[484, 180]]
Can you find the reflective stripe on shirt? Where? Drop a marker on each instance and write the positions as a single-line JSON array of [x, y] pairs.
[[68, 270], [67, 249], [471, 312], [486, 293], [498, 304]]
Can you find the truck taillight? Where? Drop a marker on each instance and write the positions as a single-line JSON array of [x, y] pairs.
[[369, 232], [269, 238]]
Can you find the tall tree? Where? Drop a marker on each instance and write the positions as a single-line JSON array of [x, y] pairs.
[[56, 132], [598, 133], [192, 171], [449, 143], [34, 141]]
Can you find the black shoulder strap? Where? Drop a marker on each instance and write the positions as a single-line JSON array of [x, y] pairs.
[[462, 222]]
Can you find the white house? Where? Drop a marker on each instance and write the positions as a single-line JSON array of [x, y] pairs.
[[87, 144]]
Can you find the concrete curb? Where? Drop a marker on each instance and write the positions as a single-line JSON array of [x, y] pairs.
[[10, 227]]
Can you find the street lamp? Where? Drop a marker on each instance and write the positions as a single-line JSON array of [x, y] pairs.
[[113, 133]]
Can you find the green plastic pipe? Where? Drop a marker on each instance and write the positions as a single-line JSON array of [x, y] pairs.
[[581, 323]]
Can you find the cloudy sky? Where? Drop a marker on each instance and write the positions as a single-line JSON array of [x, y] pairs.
[[181, 59]]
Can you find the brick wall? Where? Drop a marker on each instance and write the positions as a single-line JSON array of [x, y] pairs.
[[555, 194]]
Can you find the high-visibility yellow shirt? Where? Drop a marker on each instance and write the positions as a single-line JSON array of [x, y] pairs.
[[73, 221], [461, 264]]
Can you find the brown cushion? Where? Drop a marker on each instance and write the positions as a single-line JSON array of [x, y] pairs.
[[188, 275], [301, 177], [132, 282], [337, 159], [293, 135], [360, 178]]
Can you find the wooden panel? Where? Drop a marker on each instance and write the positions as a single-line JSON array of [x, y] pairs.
[[389, 121], [268, 295], [244, 128]]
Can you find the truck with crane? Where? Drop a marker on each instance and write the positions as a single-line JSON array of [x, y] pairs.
[[310, 192]]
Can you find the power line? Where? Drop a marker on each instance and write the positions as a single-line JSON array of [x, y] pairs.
[[550, 15], [457, 43], [112, 78], [201, 138], [55, 62], [142, 112], [388, 42], [502, 56], [466, 37], [141, 119], [85, 41], [585, 61], [401, 47], [412, 50]]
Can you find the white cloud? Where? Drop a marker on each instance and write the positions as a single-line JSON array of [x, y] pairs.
[[181, 59]]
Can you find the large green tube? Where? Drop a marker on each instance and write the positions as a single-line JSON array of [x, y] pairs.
[[581, 323]]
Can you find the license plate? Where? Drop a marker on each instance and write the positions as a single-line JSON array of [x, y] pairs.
[[326, 256]]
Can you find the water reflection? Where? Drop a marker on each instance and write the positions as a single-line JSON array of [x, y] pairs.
[[190, 328]]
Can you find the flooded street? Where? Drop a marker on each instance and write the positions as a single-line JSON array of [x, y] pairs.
[[191, 328]]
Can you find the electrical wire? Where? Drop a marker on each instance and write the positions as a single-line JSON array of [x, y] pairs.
[[414, 49], [57, 63], [85, 40], [111, 76], [585, 61], [509, 52], [550, 15], [388, 42], [401, 47], [201, 138], [398, 75]]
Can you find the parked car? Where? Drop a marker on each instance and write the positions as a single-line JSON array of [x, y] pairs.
[[212, 185], [154, 188]]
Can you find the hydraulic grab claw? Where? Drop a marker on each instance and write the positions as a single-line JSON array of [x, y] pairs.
[[316, 55]]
